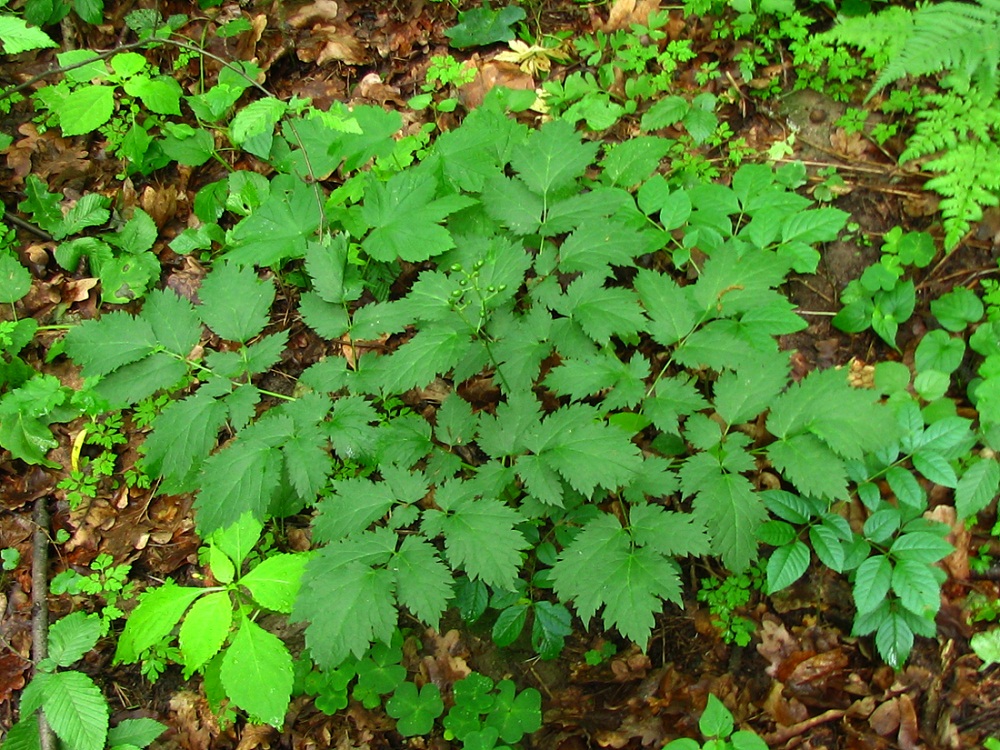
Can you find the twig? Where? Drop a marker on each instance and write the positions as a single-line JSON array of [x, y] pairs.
[[787, 733], [27, 225], [40, 605]]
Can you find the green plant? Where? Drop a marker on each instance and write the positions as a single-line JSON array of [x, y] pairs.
[[716, 725], [219, 635], [11, 558], [484, 25], [70, 700], [881, 298], [487, 716], [443, 72], [125, 274], [726, 596]]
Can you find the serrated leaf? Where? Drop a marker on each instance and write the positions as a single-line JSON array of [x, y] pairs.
[[670, 307], [307, 461], [135, 732], [365, 610], [633, 161], [815, 225], [242, 477], [552, 157], [86, 109], [135, 381], [553, 623], [15, 279], [253, 126], [917, 588], [786, 565], [935, 467], [326, 265], [278, 230], [479, 536], [601, 568], [920, 546], [405, 217], [72, 637], [101, 346], [667, 532], [596, 245], [152, 620], [828, 547], [274, 583], [731, 511], [75, 708], [747, 391], [586, 452], [977, 488], [433, 350], [183, 435], [205, 629], [423, 583], [810, 465], [872, 582], [509, 625], [602, 312], [894, 639], [18, 37], [235, 303], [257, 673]]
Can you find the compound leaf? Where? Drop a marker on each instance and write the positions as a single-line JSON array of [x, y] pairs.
[[158, 612], [235, 303], [274, 583], [102, 346]]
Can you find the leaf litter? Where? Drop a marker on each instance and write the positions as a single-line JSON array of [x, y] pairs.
[[806, 684]]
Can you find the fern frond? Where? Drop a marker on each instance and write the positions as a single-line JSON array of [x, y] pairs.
[[881, 36], [949, 119], [969, 179]]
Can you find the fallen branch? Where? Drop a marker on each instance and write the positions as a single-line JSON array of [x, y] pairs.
[[40, 605]]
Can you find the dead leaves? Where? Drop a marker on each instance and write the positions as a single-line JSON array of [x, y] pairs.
[[329, 39]]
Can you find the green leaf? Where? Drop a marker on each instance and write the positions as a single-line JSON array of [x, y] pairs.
[[135, 732], [749, 390], [434, 349], [731, 511], [828, 547], [553, 623], [278, 230], [152, 621], [235, 303], [72, 637], [509, 625], [872, 582], [786, 565], [243, 476], [935, 467], [552, 158], [161, 94], [816, 225], [668, 111], [274, 583], [307, 460], [15, 279], [956, 309], [204, 630], [986, 645], [810, 465], [183, 435], [585, 451], [601, 567], [18, 37], [918, 589], [602, 312], [977, 487], [423, 583], [482, 26], [415, 711], [101, 346], [513, 204], [894, 639], [86, 109], [479, 536], [405, 217], [715, 721], [633, 161], [133, 382], [514, 716], [668, 532], [257, 673], [74, 707], [939, 351], [252, 129]]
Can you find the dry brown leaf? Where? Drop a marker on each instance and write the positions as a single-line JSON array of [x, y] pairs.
[[957, 563], [494, 73], [624, 13], [319, 10], [885, 719], [328, 44], [159, 203], [371, 87], [851, 145], [776, 643]]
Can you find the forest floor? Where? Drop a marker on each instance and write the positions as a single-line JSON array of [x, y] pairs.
[[803, 681]]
